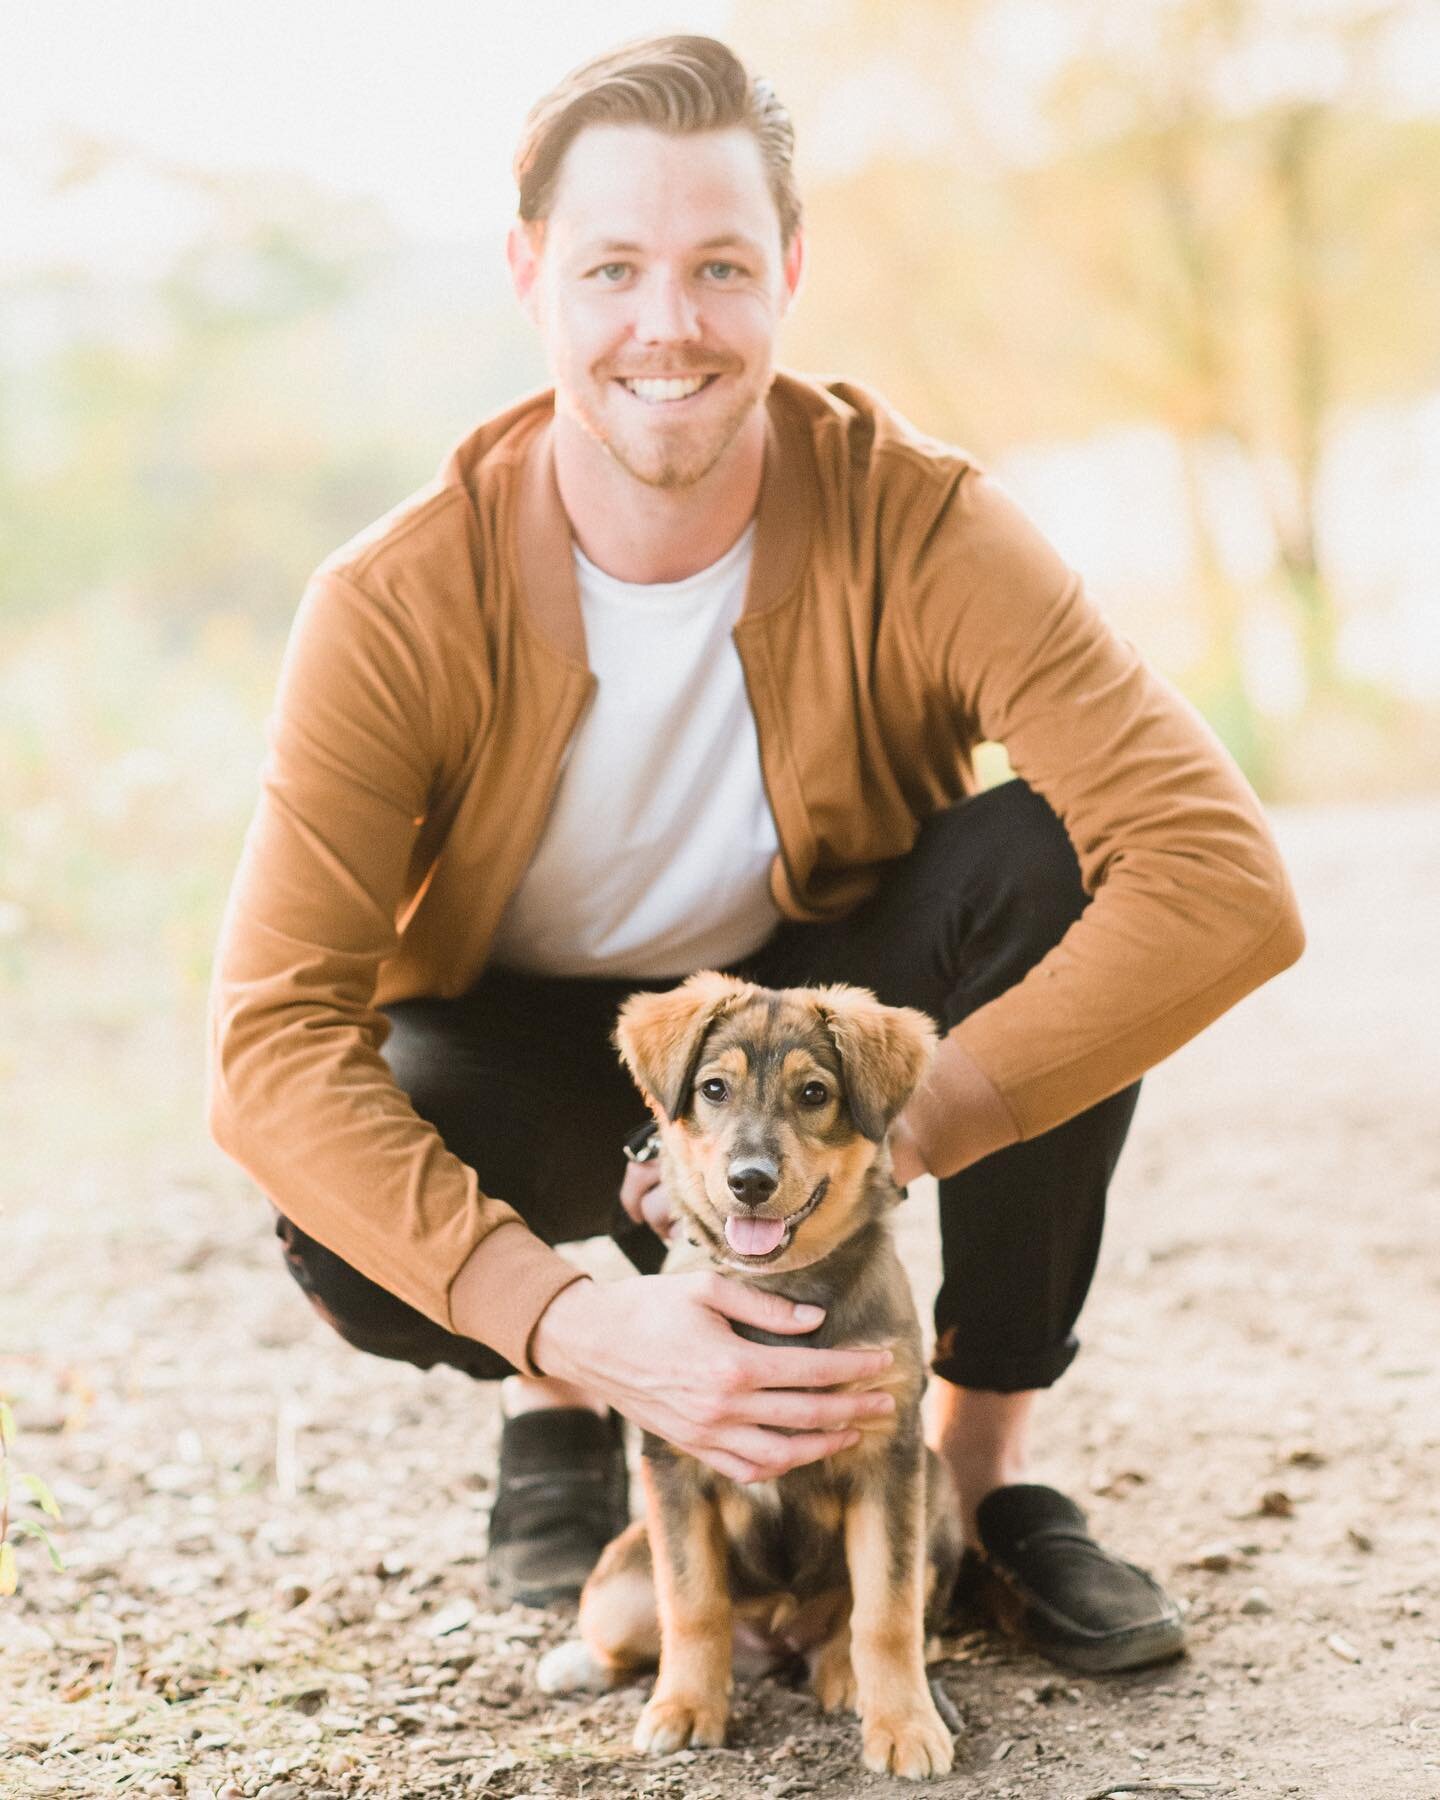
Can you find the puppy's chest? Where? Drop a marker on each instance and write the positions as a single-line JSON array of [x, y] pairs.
[[783, 1536]]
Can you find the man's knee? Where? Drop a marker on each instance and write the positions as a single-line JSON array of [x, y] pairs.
[[1019, 866], [427, 1053], [370, 1318]]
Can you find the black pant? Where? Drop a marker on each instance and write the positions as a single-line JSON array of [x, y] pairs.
[[521, 1081]]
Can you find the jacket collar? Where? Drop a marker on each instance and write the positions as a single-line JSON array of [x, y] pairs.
[[785, 518]]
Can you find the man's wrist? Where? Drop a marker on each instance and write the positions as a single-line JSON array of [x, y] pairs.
[[958, 1116], [550, 1338], [906, 1162], [503, 1286]]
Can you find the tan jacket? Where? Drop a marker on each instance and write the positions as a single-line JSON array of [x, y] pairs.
[[901, 609]]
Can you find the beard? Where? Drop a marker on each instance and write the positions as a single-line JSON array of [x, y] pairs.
[[668, 455]]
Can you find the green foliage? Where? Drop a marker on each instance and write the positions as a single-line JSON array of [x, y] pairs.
[[128, 763], [22, 1526], [200, 434]]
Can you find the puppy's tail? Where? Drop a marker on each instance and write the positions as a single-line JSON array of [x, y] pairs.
[[572, 1668]]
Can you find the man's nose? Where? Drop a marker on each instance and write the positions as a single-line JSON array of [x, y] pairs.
[[753, 1179], [668, 313]]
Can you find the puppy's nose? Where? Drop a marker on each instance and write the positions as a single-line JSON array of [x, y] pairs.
[[753, 1181]]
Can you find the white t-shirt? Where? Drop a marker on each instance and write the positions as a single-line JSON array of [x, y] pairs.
[[656, 855]]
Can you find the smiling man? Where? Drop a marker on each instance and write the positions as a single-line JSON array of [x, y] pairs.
[[681, 664], [667, 376]]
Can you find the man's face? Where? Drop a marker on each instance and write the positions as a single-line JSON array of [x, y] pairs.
[[658, 283]]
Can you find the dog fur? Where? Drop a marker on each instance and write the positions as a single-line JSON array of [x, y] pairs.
[[840, 1559]]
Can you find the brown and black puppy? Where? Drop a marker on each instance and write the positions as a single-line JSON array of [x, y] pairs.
[[773, 1107]]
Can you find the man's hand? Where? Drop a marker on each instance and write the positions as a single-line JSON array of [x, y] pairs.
[[642, 1194], [667, 1358]]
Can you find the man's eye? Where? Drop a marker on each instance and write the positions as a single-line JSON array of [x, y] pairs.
[[722, 271], [611, 273], [715, 1090], [814, 1093]]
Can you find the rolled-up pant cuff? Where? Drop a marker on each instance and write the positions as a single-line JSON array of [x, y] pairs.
[[1015, 1374]]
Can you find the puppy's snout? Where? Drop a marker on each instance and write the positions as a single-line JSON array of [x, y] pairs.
[[753, 1179]]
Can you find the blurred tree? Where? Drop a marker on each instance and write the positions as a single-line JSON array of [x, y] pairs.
[[1268, 256], [1197, 212], [137, 450], [199, 419]]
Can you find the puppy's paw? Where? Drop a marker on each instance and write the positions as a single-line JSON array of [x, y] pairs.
[[671, 1721], [915, 1744], [832, 1675]]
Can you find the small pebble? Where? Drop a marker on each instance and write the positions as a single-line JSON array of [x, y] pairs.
[[1256, 1601]]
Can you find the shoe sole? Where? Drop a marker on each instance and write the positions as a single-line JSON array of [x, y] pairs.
[[1140, 1649]]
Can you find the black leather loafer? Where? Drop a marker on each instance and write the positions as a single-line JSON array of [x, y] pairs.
[[561, 1495], [1043, 1579]]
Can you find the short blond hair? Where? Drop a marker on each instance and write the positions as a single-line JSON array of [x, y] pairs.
[[676, 84]]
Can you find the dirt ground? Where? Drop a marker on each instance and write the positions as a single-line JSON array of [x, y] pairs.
[[273, 1545]]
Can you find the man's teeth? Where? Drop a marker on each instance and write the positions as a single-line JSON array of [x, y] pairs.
[[674, 389]]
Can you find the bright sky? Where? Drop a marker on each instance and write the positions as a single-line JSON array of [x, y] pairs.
[[419, 105], [416, 104]]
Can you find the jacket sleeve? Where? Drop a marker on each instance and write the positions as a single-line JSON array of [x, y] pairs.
[[300, 1094], [1191, 907]]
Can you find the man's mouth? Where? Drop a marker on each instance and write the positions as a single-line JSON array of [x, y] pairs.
[[659, 390], [762, 1240]]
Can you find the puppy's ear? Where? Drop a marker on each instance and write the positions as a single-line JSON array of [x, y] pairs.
[[660, 1036], [884, 1051]]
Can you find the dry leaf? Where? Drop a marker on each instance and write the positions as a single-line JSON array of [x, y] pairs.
[[454, 1617]]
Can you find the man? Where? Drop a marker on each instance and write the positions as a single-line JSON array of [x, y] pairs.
[[683, 666]]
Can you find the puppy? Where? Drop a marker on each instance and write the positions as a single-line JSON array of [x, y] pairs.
[[773, 1107]]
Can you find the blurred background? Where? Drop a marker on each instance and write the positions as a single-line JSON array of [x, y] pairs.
[[1171, 269]]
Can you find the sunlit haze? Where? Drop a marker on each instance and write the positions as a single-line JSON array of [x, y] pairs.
[[417, 107]]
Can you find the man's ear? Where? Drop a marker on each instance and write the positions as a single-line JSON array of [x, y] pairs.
[[522, 251], [660, 1036], [793, 267], [884, 1052]]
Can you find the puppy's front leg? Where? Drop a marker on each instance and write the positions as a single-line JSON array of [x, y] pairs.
[[691, 1701], [901, 1731]]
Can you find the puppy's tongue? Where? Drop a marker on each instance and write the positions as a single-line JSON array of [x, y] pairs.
[[753, 1237]]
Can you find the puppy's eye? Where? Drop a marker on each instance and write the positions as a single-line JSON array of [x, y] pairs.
[[814, 1093], [715, 1090]]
